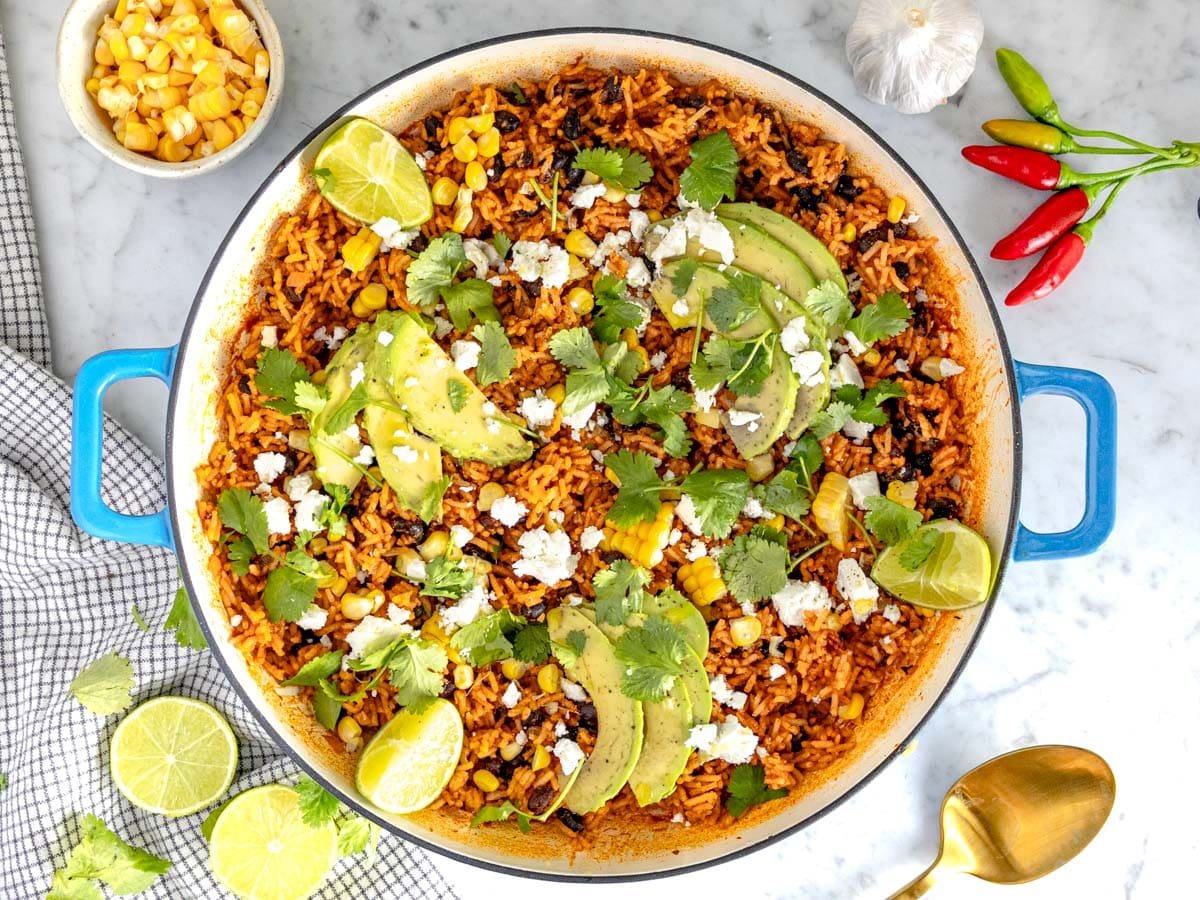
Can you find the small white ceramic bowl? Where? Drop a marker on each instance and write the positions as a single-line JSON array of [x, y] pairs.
[[76, 43]]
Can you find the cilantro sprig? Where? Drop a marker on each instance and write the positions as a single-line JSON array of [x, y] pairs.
[[431, 276], [886, 317], [851, 404], [712, 174], [718, 496], [489, 638], [890, 521], [105, 685], [615, 166], [756, 565], [743, 365], [653, 657], [748, 788], [918, 550], [496, 357], [182, 620], [101, 856], [640, 486], [279, 375], [618, 310], [620, 591]]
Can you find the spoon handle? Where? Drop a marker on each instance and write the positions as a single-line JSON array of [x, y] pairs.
[[919, 886]]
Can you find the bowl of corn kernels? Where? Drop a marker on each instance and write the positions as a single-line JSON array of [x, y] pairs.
[[169, 88]]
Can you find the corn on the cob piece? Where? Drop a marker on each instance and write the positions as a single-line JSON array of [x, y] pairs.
[[645, 542], [360, 251], [829, 508], [701, 581]]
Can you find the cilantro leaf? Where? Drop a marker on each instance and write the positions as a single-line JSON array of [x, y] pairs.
[[502, 244], [573, 348], [433, 270], [742, 364], [496, 357], [182, 620], [616, 167], [417, 672], [568, 653], [356, 834], [620, 591], [831, 419], [638, 495], [445, 577], [467, 299], [886, 317], [660, 406], [754, 567], [718, 496], [867, 409], [326, 709], [456, 390], [279, 373], [241, 554], [317, 805], [325, 179], [735, 304], [317, 669], [288, 594], [786, 494], [430, 506], [889, 521], [489, 638], [747, 788], [105, 685], [922, 546], [243, 512], [685, 271], [712, 173], [652, 656], [501, 813], [829, 303], [808, 456], [102, 856], [617, 311], [311, 398], [589, 380], [532, 644], [343, 416], [301, 562]]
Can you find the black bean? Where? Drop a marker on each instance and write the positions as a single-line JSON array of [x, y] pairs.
[[498, 167], [292, 295], [692, 101], [507, 122], [409, 528], [612, 89], [904, 473], [491, 764], [434, 147], [572, 732], [903, 429], [768, 202], [943, 508], [574, 177], [571, 126], [588, 717], [508, 769], [806, 198], [845, 188], [432, 124], [535, 718], [447, 690], [756, 176], [527, 213], [798, 740], [580, 92], [570, 819], [901, 270], [611, 556], [869, 239], [289, 465], [536, 611], [244, 385], [560, 159], [350, 511], [419, 243], [526, 159], [899, 230], [920, 322], [922, 462], [540, 799], [798, 161]]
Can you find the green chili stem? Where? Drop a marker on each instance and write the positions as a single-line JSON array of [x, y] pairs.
[[699, 330], [1152, 165], [806, 554], [1108, 135], [1085, 229], [1122, 151]]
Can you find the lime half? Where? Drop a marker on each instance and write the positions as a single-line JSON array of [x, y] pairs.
[[367, 174], [262, 850], [411, 759], [173, 755], [956, 574]]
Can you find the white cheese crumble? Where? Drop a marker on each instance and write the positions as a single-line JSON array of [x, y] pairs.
[[725, 695], [470, 606], [365, 456], [481, 254], [586, 195], [508, 511], [658, 360], [460, 536], [857, 347], [794, 338], [674, 238], [313, 618], [394, 237], [374, 633], [308, 511], [901, 365], [279, 516], [808, 366], [560, 729], [857, 589], [465, 354], [686, 510], [796, 598], [532, 260], [707, 229], [705, 399], [385, 338], [611, 243], [269, 466], [331, 339], [753, 509], [579, 420], [681, 308], [512, 695], [857, 431], [572, 691], [730, 741], [891, 612], [776, 672], [740, 418], [638, 223], [863, 486], [545, 556], [696, 550], [537, 410], [591, 538], [569, 754], [845, 372], [637, 275], [948, 368], [270, 336], [405, 453], [442, 326]]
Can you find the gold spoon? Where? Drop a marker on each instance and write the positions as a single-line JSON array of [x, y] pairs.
[[1020, 816]]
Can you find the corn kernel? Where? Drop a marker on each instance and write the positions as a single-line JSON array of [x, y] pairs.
[[463, 215], [654, 215], [580, 244], [457, 129], [488, 495], [359, 606], [262, 64], [549, 678], [481, 122], [614, 194], [102, 54], [849, 233], [476, 178], [214, 103], [581, 300], [557, 393], [485, 780], [872, 357], [852, 708], [171, 151], [513, 669], [895, 210], [903, 492], [576, 270], [745, 631], [360, 251], [180, 122], [134, 23], [138, 48], [140, 137], [489, 143], [444, 191], [434, 545], [92, 86], [630, 337], [349, 730], [464, 676], [590, 178], [118, 46], [223, 135], [510, 751], [541, 758], [374, 296], [465, 149]]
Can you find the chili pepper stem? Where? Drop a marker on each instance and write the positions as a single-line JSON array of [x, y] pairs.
[[1084, 179], [1054, 119], [1085, 228]]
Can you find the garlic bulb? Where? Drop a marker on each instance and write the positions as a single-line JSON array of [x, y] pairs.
[[913, 54]]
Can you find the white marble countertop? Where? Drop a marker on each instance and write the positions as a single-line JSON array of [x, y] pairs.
[[1074, 652]]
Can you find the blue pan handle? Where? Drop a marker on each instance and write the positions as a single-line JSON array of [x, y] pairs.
[[88, 508], [1099, 404]]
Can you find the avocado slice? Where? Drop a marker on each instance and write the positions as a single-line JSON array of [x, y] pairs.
[[754, 251], [664, 754], [810, 399], [334, 453], [417, 372], [706, 279], [695, 679], [774, 405], [806, 245], [621, 721], [419, 463], [682, 613]]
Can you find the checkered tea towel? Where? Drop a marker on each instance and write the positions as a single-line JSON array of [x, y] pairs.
[[66, 599]]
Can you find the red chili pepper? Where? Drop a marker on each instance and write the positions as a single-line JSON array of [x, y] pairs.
[[1052, 269], [1029, 167], [1046, 223]]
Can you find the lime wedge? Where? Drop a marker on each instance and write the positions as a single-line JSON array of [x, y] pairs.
[[262, 850], [411, 759], [955, 575], [367, 174], [173, 755]]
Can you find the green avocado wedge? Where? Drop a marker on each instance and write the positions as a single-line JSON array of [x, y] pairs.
[[682, 613], [621, 723], [806, 245], [334, 453], [770, 410], [695, 678], [664, 753], [682, 311], [409, 462]]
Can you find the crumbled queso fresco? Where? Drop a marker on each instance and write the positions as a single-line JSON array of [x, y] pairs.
[[546, 556], [534, 260]]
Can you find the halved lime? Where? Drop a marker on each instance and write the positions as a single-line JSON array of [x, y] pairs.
[[367, 174], [411, 759], [955, 575], [262, 850], [173, 755]]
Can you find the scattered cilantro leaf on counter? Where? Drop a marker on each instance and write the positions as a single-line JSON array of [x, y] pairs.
[[532, 643], [434, 268], [279, 373], [886, 317], [712, 174], [742, 365], [456, 391], [920, 548], [620, 591], [617, 311], [638, 495], [653, 658], [317, 669], [718, 496], [747, 788], [445, 577], [102, 856], [489, 638], [502, 813], [734, 305], [356, 834], [288, 594], [472, 297], [182, 620], [616, 166], [754, 567], [105, 685], [829, 303], [685, 271], [502, 243], [787, 494], [889, 521], [3, 782], [417, 672], [242, 511], [317, 805], [136, 614], [496, 356]]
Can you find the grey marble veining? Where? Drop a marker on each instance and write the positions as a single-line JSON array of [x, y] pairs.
[[1102, 652]]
